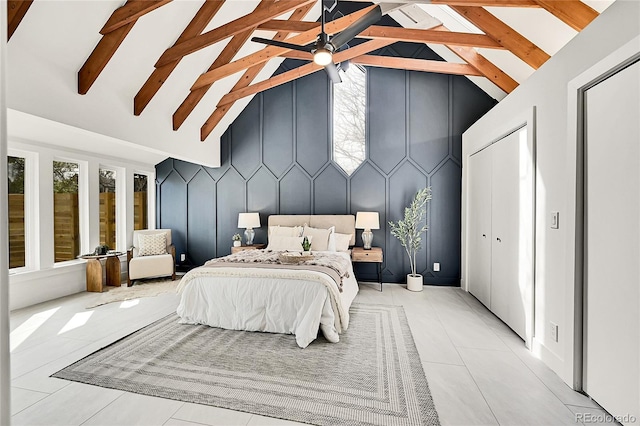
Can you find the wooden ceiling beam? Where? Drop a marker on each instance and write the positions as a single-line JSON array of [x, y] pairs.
[[129, 13], [574, 13], [441, 67], [105, 49], [270, 52], [504, 34], [485, 67], [16, 9], [159, 75], [409, 35], [345, 55], [226, 56], [227, 101], [229, 29]]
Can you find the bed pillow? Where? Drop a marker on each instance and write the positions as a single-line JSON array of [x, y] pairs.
[[282, 242], [341, 242], [152, 244], [320, 241], [285, 231]]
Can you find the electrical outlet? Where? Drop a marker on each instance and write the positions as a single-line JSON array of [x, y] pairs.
[[555, 220], [436, 267], [554, 332], [183, 257]]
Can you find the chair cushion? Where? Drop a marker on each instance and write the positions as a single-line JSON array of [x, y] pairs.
[[152, 244], [151, 266]]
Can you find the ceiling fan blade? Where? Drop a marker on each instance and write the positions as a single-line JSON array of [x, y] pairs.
[[280, 44], [356, 28], [332, 72]]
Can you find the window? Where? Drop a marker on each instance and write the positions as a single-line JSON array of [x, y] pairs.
[[349, 106], [15, 174], [108, 208], [140, 201], [66, 214]]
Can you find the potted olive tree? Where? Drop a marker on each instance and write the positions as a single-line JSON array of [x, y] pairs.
[[409, 231]]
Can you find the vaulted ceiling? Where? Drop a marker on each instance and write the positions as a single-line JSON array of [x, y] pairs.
[[191, 65]]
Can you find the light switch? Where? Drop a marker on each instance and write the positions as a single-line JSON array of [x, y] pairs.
[[436, 267], [555, 220]]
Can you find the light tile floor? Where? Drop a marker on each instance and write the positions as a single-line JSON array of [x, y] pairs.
[[478, 370]]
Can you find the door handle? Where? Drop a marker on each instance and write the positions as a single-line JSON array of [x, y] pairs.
[[484, 235], [498, 239]]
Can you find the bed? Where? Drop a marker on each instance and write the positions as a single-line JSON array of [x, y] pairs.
[[239, 292]]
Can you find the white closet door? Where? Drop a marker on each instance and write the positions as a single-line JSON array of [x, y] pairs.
[[479, 234], [511, 224], [612, 322]]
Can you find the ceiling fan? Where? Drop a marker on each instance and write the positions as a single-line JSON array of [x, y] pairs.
[[324, 47]]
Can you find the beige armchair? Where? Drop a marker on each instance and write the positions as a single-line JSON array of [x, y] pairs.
[[147, 258]]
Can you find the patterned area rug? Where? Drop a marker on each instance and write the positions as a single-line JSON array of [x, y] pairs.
[[148, 288], [373, 376]]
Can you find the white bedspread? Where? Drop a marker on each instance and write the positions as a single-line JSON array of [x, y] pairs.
[[272, 300]]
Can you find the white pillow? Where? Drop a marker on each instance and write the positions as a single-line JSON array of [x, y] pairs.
[[285, 231], [281, 242], [339, 242], [320, 241], [152, 244]]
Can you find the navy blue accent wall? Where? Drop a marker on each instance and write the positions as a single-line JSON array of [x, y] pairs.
[[276, 159]]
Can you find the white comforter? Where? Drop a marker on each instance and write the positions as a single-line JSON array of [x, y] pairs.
[[273, 300]]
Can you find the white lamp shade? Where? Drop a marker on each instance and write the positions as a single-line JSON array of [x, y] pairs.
[[367, 220], [249, 220]]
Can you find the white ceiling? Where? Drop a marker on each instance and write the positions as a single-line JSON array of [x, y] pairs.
[[56, 37]]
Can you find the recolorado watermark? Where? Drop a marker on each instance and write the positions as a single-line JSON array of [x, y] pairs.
[[604, 418]]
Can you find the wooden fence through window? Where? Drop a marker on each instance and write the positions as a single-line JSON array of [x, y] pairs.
[[67, 224]]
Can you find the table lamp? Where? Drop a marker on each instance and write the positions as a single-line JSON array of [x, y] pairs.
[[249, 221], [367, 221]]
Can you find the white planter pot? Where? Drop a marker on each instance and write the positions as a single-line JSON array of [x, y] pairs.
[[414, 282], [237, 243]]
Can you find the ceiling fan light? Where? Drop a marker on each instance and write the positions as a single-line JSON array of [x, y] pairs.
[[322, 57]]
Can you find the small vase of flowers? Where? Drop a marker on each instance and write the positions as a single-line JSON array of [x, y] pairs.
[[237, 240]]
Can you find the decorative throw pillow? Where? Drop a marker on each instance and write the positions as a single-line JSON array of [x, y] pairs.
[[286, 231], [320, 237], [341, 241], [152, 244], [281, 242]]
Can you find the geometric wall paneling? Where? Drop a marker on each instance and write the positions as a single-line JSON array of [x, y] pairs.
[[295, 192], [403, 185], [262, 196], [245, 131], [164, 169], [368, 193], [429, 119], [330, 192], [469, 103], [186, 170], [201, 218], [312, 105], [387, 116], [276, 158], [446, 180], [173, 191], [230, 200], [277, 138]]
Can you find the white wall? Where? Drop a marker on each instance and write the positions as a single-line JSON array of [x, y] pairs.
[[5, 371], [548, 91], [44, 279]]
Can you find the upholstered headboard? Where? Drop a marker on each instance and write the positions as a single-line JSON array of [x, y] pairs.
[[344, 223]]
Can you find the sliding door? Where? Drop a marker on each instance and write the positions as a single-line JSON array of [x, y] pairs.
[[612, 258]]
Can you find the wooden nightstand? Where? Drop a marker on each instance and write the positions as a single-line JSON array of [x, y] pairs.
[[359, 254], [251, 247]]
